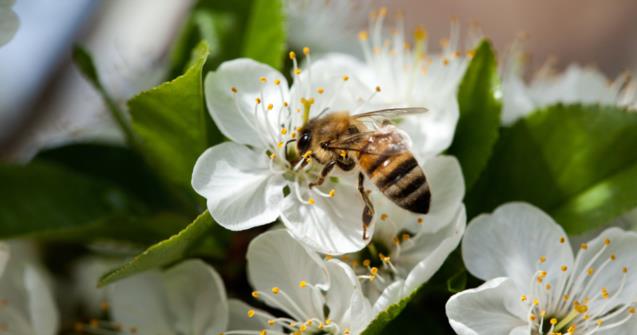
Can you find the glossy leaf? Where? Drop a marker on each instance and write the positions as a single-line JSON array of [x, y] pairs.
[[480, 105], [577, 162], [265, 36], [163, 253], [170, 121]]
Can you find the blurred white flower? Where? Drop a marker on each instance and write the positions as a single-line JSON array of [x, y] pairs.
[[254, 179], [535, 284], [409, 75], [326, 25], [407, 249], [188, 298], [320, 297], [9, 21], [27, 306], [575, 85]]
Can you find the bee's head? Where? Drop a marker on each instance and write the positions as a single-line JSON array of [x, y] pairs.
[[305, 140]]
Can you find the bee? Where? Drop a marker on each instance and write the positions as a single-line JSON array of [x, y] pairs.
[[380, 151]]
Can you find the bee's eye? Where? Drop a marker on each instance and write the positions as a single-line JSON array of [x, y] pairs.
[[304, 141]]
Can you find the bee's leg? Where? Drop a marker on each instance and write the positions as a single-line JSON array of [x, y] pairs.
[[346, 164], [368, 211], [326, 170]]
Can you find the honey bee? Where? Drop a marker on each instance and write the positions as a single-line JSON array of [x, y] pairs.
[[379, 150]]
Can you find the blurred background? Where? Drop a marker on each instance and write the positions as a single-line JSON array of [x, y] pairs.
[[45, 102]]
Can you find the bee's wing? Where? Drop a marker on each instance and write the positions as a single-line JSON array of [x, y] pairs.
[[387, 140], [389, 114]]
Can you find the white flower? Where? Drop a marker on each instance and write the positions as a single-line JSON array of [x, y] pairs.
[[254, 180], [407, 249], [575, 85], [26, 301], [325, 25], [186, 299], [9, 22], [319, 296], [407, 75], [535, 285]]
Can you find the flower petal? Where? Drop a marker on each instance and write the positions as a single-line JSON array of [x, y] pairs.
[[241, 191], [390, 295], [140, 301], [444, 175], [275, 259], [239, 319], [4, 257], [234, 113], [9, 23], [330, 225], [426, 253], [493, 308], [197, 298], [510, 242], [609, 274], [347, 305], [45, 318]]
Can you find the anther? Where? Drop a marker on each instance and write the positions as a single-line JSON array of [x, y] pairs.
[[583, 246], [532, 317], [297, 71], [277, 82], [523, 298], [562, 240], [604, 293], [263, 79], [383, 216], [471, 53], [625, 269], [271, 322], [613, 257], [377, 88], [284, 131], [536, 302], [564, 268], [306, 51], [405, 237], [332, 193], [234, 90], [276, 290], [553, 321], [251, 313], [292, 55], [345, 78], [302, 284], [320, 90], [270, 106], [607, 242], [420, 34], [311, 201], [631, 310], [258, 100], [542, 259], [366, 262], [363, 36], [420, 220], [263, 332], [445, 61]]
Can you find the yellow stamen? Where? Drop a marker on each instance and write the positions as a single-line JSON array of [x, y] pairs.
[[233, 89], [332, 193], [345, 78], [284, 131], [302, 284], [276, 290], [306, 51], [363, 36], [292, 55], [311, 201], [255, 294], [263, 79], [251, 313]]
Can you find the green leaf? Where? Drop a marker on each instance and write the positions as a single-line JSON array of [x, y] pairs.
[[45, 198], [384, 317], [577, 162], [480, 105], [266, 35], [170, 121], [164, 253], [84, 62]]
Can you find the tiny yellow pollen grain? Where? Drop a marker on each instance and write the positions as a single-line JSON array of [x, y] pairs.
[[590, 271], [599, 322], [562, 240], [303, 327], [306, 51], [566, 297], [332, 193], [280, 144], [543, 313], [564, 268], [523, 298], [536, 302], [583, 246], [258, 100], [607, 241], [272, 155], [251, 313], [548, 286], [276, 290], [277, 82], [263, 79], [346, 331], [302, 284], [233, 89], [625, 269], [311, 201], [377, 88], [345, 78], [363, 36], [542, 259], [270, 106], [328, 321], [292, 55], [284, 131], [297, 71], [581, 308], [320, 90], [613, 257], [271, 322], [285, 104]]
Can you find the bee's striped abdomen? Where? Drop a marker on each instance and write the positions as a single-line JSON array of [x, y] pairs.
[[400, 178]]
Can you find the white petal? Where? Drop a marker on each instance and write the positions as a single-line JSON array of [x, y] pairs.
[[9, 23], [197, 298], [623, 245], [444, 175], [331, 225], [140, 301], [348, 306], [239, 319], [392, 294], [429, 251], [16, 320], [234, 113], [45, 318], [241, 191], [515, 100], [509, 243], [86, 273], [494, 308], [275, 259]]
